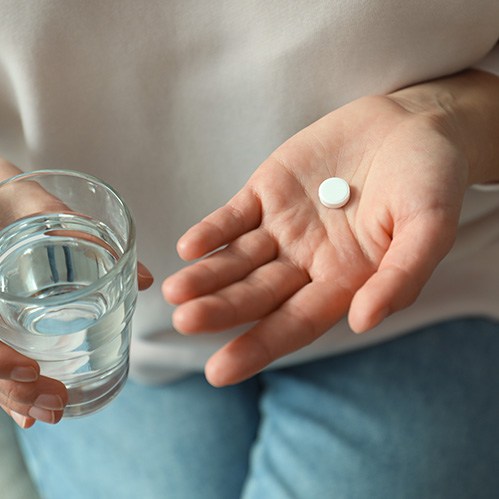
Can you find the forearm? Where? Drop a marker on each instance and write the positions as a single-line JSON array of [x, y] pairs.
[[466, 106]]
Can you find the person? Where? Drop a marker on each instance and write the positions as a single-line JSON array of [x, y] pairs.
[[182, 106]]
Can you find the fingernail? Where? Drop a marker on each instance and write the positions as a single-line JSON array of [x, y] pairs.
[[143, 272], [144, 281], [21, 421], [24, 374], [42, 415], [49, 401]]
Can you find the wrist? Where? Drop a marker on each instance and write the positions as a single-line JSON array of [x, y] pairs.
[[465, 108]]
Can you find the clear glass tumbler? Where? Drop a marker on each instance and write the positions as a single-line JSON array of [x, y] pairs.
[[68, 282]]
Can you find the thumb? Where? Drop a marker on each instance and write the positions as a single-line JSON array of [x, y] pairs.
[[415, 251], [15, 366]]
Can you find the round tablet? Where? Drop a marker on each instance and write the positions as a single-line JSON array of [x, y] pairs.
[[334, 192]]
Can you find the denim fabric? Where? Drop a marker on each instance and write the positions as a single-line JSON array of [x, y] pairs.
[[415, 418]]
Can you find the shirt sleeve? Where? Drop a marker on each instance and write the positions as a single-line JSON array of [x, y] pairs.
[[489, 63]]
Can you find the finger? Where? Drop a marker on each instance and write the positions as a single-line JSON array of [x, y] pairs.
[[301, 320], [144, 277], [406, 267], [23, 422], [43, 400], [17, 367], [240, 215], [254, 297], [23, 390], [221, 269]]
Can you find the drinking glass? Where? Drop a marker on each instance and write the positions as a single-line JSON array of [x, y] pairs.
[[68, 282]]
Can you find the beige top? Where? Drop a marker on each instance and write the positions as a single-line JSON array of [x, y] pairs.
[[175, 103]]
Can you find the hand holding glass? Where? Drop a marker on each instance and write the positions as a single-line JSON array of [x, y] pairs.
[[68, 282]]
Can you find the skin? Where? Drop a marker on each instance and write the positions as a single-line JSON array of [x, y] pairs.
[[24, 394], [292, 263], [295, 267]]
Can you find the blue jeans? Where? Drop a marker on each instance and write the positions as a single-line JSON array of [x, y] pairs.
[[417, 417]]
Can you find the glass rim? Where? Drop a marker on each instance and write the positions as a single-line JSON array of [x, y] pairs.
[[101, 281]]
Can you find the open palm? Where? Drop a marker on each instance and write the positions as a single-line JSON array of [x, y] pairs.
[[295, 267]]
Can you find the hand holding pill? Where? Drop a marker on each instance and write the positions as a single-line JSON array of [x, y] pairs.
[[299, 254]]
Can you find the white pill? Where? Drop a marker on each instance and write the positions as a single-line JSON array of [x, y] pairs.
[[334, 192]]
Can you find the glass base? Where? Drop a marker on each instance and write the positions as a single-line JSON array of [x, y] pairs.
[[89, 396]]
